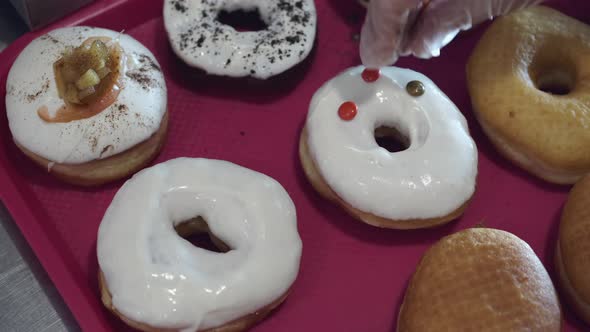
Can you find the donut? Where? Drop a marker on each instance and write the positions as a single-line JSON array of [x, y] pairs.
[[573, 248], [202, 41], [529, 81], [82, 124], [480, 279], [154, 279], [427, 184]]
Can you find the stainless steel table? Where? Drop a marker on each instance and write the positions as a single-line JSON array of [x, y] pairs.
[[28, 300]]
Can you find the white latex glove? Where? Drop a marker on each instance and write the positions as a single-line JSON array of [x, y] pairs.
[[395, 28]]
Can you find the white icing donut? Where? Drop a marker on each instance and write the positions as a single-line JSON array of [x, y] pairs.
[[131, 119], [159, 279], [432, 178], [200, 40]]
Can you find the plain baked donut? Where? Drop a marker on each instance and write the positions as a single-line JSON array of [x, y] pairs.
[[519, 57], [87, 144], [154, 279], [573, 248], [427, 184], [202, 41], [483, 280]]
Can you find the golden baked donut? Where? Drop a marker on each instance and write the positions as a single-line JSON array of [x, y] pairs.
[[480, 279], [529, 81], [87, 104], [573, 249]]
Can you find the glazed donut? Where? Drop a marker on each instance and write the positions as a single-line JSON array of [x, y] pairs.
[[95, 139], [153, 279], [427, 184], [480, 279], [200, 40], [573, 248], [529, 81]]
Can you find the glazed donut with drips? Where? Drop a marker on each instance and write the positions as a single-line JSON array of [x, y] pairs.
[[427, 184]]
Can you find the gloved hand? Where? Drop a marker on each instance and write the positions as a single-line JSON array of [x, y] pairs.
[[395, 28]]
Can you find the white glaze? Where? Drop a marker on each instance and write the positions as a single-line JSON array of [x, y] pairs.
[[157, 278], [31, 85], [203, 42], [432, 178]]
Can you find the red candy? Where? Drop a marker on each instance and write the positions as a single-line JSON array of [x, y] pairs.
[[347, 111], [370, 75]]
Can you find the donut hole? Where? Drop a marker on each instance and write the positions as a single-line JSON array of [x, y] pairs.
[[553, 78], [242, 20], [556, 82], [196, 231], [391, 139]]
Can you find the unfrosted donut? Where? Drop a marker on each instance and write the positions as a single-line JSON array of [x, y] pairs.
[[480, 279], [427, 184], [200, 40], [107, 139], [154, 279], [573, 247], [529, 81]]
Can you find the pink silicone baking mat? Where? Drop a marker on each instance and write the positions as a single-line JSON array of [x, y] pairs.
[[352, 276]]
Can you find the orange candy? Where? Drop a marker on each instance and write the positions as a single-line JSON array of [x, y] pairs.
[[347, 111], [370, 75]]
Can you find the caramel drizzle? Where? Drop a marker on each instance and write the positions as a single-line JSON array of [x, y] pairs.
[[72, 112]]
